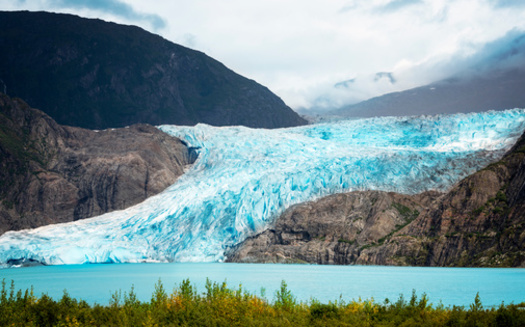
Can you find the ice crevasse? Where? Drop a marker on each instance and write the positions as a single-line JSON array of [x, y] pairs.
[[244, 178]]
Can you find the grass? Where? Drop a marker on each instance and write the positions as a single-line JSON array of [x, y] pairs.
[[220, 305], [406, 213]]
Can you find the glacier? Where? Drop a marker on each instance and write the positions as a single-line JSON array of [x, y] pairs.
[[245, 178]]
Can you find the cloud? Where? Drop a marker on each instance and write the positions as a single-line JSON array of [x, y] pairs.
[[507, 3], [396, 5], [381, 7], [500, 55], [344, 84], [189, 40], [388, 76], [504, 53], [507, 52], [300, 49], [114, 8]]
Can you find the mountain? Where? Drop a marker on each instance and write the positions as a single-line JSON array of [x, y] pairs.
[[51, 173], [494, 90], [479, 222], [94, 74]]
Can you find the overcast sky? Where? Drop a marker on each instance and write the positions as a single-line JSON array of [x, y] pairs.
[[321, 53]]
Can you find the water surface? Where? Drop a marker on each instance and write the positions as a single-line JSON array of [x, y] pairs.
[[451, 286]]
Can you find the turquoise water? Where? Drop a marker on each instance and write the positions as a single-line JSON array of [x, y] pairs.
[[451, 286]]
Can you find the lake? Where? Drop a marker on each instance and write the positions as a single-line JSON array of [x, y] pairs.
[[451, 286]]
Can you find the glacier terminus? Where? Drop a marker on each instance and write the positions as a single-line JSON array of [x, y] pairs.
[[245, 178]]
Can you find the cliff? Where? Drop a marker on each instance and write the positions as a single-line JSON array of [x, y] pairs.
[[94, 74], [479, 222], [51, 173]]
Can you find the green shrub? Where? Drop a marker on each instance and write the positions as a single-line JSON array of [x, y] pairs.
[[284, 298], [322, 311], [220, 305], [501, 196]]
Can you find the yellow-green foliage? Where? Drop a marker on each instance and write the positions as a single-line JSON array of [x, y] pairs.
[[223, 306]]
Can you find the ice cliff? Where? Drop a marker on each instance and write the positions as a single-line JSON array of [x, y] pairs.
[[244, 178]]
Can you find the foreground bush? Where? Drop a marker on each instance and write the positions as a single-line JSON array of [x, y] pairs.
[[219, 305]]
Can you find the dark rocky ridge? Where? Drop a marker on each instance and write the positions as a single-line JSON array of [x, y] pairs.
[[495, 90], [479, 222], [51, 173], [94, 74]]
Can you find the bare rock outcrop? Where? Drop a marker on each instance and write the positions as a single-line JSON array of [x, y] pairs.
[[333, 230], [51, 173], [479, 222]]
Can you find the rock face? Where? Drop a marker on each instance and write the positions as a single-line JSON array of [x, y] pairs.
[[94, 74], [331, 230], [480, 222], [51, 173]]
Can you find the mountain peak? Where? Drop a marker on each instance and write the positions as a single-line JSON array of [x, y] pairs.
[[94, 74]]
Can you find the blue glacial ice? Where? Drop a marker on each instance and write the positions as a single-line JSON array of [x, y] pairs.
[[244, 178]]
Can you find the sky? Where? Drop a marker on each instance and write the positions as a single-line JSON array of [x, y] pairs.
[[325, 54]]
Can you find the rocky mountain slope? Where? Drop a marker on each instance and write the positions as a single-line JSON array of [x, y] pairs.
[[497, 90], [94, 74], [51, 173], [479, 222]]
